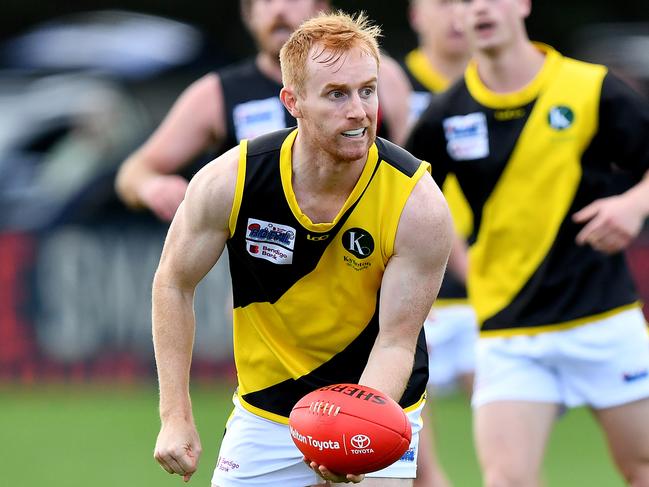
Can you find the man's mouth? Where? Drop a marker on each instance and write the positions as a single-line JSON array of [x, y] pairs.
[[356, 133], [484, 26], [281, 29]]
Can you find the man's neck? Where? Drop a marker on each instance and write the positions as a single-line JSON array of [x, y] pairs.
[[318, 170], [268, 64], [510, 69], [450, 67], [321, 184]]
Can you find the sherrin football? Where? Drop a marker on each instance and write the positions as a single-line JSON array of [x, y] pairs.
[[350, 428]]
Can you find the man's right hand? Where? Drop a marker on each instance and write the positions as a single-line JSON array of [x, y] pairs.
[[163, 194], [178, 448]]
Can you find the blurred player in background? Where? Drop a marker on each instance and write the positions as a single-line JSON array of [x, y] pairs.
[[240, 101], [337, 242], [536, 140], [451, 328]]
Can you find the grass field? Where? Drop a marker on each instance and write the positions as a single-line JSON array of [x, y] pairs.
[[69, 436]]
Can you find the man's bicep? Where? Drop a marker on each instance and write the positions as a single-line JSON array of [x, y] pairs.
[[414, 273], [189, 252]]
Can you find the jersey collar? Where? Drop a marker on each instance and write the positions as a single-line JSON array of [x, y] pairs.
[[286, 171], [525, 95]]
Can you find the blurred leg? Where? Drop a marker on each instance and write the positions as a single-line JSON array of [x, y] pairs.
[[465, 381], [510, 439], [627, 431], [429, 470]]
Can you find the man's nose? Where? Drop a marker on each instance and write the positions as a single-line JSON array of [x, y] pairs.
[[355, 108]]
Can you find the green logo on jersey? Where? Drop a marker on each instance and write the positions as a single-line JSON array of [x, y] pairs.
[[560, 117]]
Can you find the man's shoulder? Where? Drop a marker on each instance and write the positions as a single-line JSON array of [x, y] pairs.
[[269, 142], [397, 157], [243, 69], [456, 95]]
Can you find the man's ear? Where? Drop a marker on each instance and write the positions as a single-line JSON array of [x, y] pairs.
[[289, 99]]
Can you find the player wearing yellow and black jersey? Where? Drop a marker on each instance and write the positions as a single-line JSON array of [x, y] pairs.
[[280, 259], [537, 141], [337, 242]]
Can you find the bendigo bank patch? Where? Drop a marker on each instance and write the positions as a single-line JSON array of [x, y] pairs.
[[270, 241]]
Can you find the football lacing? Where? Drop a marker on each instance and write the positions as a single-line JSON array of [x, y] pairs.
[[324, 408]]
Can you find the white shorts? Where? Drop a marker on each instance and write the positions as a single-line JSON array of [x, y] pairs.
[[601, 364], [258, 452], [451, 335]]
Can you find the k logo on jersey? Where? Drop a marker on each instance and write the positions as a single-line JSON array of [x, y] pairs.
[[359, 242], [560, 117]]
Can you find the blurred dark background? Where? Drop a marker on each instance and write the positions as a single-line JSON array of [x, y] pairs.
[[552, 21]]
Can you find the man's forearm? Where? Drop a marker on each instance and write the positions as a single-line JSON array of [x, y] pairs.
[[173, 340], [389, 368], [131, 174]]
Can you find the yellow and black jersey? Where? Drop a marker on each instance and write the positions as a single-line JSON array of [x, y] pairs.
[[527, 161], [306, 295], [427, 82]]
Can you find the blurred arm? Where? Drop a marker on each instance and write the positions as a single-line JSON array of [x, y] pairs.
[[194, 243], [195, 122], [612, 223], [394, 95], [410, 284], [458, 261]]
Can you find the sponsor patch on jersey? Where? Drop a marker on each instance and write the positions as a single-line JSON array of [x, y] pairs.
[[560, 117], [408, 456], [225, 464], [635, 375], [358, 242], [270, 241], [258, 117], [467, 136]]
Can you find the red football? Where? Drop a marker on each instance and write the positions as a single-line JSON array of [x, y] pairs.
[[350, 428]]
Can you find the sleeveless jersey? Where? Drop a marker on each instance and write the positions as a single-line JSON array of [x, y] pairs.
[[252, 105], [527, 161], [427, 82], [306, 295]]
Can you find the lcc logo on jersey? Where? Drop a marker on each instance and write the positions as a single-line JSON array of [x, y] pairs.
[[560, 117], [359, 242]]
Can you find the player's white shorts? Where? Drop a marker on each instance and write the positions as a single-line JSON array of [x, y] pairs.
[[259, 452], [601, 364], [451, 335]]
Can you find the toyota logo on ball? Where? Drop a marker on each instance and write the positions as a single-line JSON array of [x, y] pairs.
[[360, 441]]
